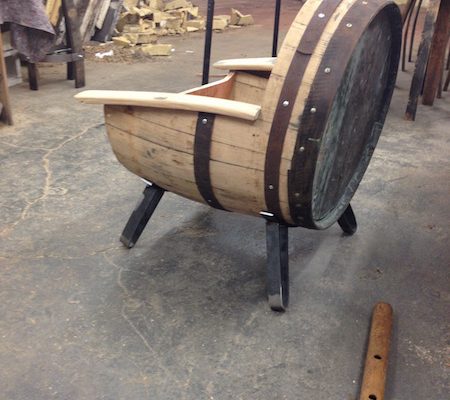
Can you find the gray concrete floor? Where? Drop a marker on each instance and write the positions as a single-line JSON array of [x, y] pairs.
[[183, 315]]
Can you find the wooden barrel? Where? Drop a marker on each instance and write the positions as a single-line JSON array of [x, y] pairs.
[[323, 106]]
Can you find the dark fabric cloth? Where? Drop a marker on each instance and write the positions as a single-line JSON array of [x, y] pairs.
[[31, 32]]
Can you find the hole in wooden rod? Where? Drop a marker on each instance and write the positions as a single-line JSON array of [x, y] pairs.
[[377, 357], [372, 397]]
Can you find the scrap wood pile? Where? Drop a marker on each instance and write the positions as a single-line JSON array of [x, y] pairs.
[[144, 23], [136, 25]]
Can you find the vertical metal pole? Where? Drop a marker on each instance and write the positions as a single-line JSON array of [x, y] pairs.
[[276, 28], [208, 40], [277, 265]]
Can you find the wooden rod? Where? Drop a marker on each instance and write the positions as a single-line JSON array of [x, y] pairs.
[[374, 380]]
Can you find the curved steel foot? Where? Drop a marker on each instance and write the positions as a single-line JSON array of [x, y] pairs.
[[347, 222], [277, 266]]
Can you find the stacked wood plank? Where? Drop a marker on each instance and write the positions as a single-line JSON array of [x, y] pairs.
[[143, 23], [139, 23]]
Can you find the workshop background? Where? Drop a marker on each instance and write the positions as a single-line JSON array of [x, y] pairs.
[[184, 315]]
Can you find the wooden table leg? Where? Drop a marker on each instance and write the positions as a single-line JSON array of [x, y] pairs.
[[422, 59], [76, 70]]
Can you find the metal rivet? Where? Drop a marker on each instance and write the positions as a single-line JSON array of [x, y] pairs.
[[365, 3], [313, 110], [285, 103], [327, 70], [271, 187], [321, 15], [301, 149], [297, 194], [349, 25], [209, 201], [204, 121]]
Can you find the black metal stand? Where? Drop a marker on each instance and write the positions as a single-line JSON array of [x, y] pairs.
[[277, 265], [141, 215], [277, 239], [347, 222], [276, 28]]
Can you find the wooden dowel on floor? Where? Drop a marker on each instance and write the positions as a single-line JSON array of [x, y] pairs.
[[375, 370]]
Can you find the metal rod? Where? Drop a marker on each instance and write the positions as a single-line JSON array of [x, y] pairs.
[[276, 28], [208, 41]]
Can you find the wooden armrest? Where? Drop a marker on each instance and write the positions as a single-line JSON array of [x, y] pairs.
[[247, 64], [172, 101]]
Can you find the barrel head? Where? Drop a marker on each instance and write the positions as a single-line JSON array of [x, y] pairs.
[[345, 124]]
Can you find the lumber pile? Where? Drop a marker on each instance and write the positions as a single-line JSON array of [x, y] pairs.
[[142, 22], [130, 23]]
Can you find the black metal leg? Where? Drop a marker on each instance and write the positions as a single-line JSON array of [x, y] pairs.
[[141, 215], [208, 40], [276, 28], [277, 265], [348, 221]]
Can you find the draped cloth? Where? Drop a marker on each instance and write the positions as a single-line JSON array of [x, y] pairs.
[[31, 32]]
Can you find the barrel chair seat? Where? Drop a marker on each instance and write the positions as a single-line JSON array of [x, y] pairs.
[[290, 137]]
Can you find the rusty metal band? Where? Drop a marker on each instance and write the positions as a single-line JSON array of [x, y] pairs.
[[202, 156], [319, 103], [286, 103]]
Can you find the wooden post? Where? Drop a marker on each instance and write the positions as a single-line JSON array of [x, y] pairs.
[[422, 59], [375, 370], [435, 67], [6, 113]]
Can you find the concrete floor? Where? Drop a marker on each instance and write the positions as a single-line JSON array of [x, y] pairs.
[[183, 315]]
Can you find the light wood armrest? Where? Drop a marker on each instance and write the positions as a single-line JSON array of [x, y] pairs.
[[247, 64], [172, 101]]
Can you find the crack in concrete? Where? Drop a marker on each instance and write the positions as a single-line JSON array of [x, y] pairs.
[[132, 325], [58, 256], [48, 178], [16, 146]]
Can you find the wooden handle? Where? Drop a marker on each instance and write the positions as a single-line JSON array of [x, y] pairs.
[[172, 101], [374, 380], [247, 64]]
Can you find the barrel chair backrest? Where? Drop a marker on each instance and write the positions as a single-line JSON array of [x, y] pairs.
[[334, 52]]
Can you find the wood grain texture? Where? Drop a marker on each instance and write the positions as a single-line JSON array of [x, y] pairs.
[[375, 370], [154, 134], [172, 101], [221, 89]]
